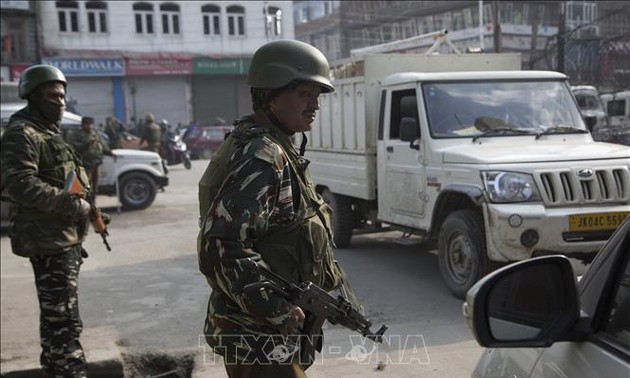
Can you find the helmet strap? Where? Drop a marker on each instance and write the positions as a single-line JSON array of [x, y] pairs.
[[272, 117]]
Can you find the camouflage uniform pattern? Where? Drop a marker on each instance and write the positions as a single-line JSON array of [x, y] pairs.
[[153, 136], [44, 227], [56, 278], [114, 130], [266, 212], [89, 146]]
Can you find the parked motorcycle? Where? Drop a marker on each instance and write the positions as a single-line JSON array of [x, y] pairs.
[[175, 150]]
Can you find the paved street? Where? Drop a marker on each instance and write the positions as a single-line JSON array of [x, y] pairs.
[[145, 302]]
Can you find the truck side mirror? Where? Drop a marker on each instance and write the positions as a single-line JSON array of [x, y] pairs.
[[409, 131], [590, 122]]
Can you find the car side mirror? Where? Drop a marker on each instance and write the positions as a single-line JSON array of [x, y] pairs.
[[532, 303], [409, 131]]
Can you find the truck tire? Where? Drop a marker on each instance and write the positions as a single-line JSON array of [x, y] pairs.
[[342, 218], [462, 251], [137, 190]]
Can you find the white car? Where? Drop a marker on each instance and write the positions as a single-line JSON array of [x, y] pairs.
[[538, 322], [617, 106], [139, 174]]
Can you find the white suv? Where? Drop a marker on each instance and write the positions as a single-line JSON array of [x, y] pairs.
[[136, 175]]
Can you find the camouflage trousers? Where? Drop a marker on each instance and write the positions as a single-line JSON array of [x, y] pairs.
[[57, 278]]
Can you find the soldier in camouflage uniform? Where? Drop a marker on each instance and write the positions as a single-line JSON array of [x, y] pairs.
[[258, 205], [114, 130], [152, 134], [48, 225], [91, 148]]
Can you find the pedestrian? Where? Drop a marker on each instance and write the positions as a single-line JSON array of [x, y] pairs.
[[114, 130], [259, 207], [91, 148], [152, 134], [48, 225]]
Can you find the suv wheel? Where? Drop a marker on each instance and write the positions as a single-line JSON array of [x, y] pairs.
[[137, 190]]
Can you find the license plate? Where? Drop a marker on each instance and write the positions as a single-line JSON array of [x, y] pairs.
[[597, 222]]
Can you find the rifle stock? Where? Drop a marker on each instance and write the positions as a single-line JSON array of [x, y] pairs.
[[73, 186]]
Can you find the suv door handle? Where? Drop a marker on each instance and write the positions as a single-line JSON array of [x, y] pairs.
[[390, 148]]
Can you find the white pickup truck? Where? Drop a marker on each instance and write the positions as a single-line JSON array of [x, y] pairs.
[[491, 163]]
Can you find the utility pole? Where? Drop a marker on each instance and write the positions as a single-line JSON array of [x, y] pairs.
[[534, 45], [497, 26], [561, 38]]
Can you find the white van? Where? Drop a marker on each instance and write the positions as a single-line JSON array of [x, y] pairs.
[[617, 106]]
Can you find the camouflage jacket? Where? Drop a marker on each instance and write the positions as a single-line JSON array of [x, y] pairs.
[[153, 135], [35, 163], [89, 146], [265, 212], [114, 131]]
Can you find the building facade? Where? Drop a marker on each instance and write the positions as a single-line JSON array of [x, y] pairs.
[[182, 61], [590, 38], [18, 31]]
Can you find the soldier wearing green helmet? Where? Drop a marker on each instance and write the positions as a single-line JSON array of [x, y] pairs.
[[258, 206], [48, 224]]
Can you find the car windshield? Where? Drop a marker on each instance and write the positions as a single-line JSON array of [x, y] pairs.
[[459, 110]]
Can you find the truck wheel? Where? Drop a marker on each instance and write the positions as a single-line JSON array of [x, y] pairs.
[[342, 218], [462, 251], [137, 190]]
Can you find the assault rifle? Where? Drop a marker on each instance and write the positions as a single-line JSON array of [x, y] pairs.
[[74, 187], [319, 307]]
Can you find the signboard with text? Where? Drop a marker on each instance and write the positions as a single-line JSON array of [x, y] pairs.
[[169, 65], [207, 66], [88, 67]]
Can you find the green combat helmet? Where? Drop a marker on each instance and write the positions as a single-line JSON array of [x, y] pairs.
[[280, 62], [38, 74]]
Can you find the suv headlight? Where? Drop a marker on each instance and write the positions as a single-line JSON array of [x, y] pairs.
[[510, 186]]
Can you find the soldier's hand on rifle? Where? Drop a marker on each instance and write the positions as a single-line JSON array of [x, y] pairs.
[[295, 322], [83, 209]]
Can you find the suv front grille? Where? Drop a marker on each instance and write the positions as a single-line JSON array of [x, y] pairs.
[[567, 187]]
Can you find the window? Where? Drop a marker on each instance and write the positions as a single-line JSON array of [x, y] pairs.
[[97, 16], [68, 13], [236, 20], [616, 108], [211, 19], [144, 17], [170, 18], [404, 105], [273, 25]]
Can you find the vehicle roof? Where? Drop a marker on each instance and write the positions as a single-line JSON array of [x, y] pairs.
[[406, 77], [616, 95], [8, 108], [583, 88]]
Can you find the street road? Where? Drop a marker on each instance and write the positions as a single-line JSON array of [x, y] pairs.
[[147, 300]]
